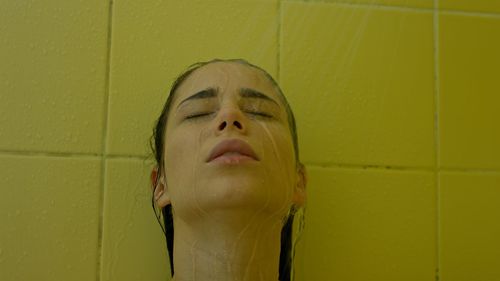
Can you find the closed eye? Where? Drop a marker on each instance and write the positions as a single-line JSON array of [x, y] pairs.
[[260, 114], [199, 115]]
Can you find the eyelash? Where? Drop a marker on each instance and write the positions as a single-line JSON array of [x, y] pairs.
[[260, 114], [198, 115]]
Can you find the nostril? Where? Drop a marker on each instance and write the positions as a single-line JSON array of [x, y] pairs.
[[222, 126], [238, 125]]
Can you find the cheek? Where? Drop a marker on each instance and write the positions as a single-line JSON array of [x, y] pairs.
[[277, 139], [278, 146], [182, 152], [182, 145], [173, 151]]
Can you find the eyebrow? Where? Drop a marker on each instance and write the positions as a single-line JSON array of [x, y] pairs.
[[251, 93], [203, 94], [212, 92]]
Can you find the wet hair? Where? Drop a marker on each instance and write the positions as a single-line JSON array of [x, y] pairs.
[[157, 145]]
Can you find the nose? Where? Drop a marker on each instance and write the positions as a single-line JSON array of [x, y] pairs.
[[231, 119]]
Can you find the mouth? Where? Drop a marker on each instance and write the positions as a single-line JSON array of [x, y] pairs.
[[232, 151]]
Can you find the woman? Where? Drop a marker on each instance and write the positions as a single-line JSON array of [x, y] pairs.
[[228, 176]]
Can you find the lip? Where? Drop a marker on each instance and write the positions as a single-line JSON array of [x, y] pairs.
[[234, 146]]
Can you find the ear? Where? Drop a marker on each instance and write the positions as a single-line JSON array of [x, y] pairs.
[[299, 194], [159, 188]]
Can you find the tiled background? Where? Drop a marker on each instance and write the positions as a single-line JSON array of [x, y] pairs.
[[398, 108]]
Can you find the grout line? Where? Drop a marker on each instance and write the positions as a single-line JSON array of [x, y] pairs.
[[403, 8], [398, 168], [128, 157], [368, 167], [369, 5], [469, 14], [464, 170], [437, 151], [78, 155], [278, 55], [104, 145], [310, 164], [51, 154]]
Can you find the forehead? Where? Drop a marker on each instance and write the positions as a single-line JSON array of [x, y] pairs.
[[229, 77]]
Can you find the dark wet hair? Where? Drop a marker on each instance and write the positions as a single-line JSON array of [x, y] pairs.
[[157, 145]]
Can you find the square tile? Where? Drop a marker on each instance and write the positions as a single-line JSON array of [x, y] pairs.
[[369, 225], [133, 246], [154, 41], [469, 226], [53, 69], [362, 83], [469, 106], [50, 217]]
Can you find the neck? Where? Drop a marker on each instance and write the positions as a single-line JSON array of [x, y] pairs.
[[227, 248]]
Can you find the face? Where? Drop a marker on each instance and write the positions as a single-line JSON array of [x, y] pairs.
[[228, 145]]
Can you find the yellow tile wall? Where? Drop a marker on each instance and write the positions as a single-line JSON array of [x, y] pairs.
[[397, 111]]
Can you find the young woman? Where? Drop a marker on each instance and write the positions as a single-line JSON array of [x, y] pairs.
[[228, 176]]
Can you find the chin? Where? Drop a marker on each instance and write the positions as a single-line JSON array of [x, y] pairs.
[[233, 191]]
